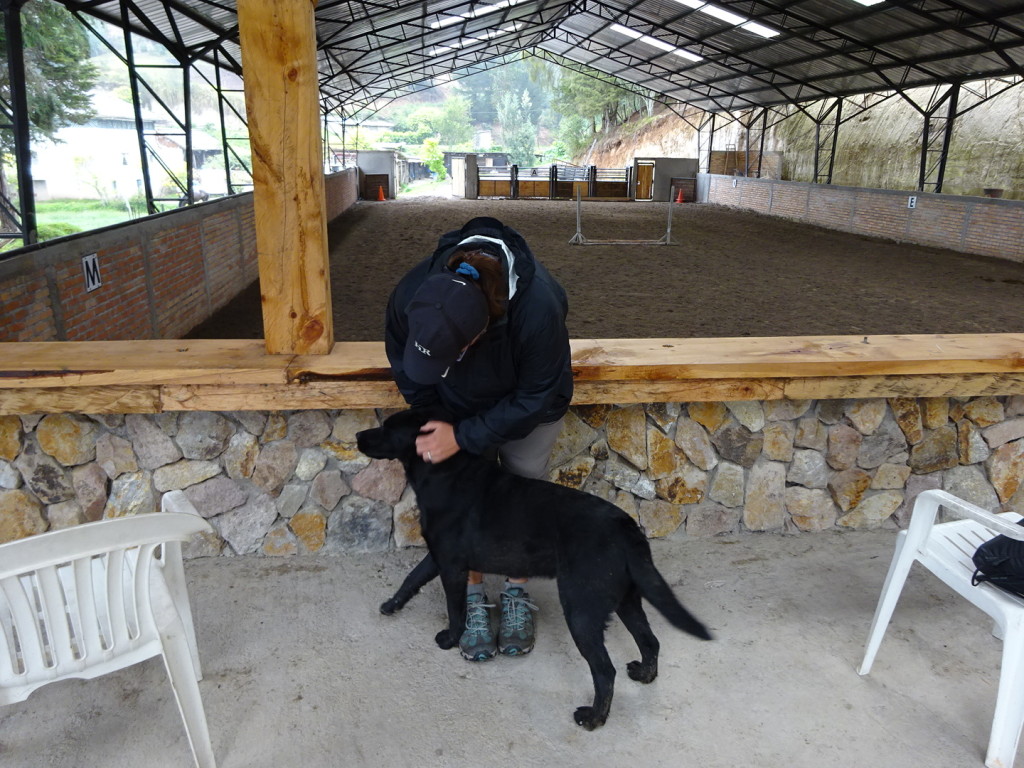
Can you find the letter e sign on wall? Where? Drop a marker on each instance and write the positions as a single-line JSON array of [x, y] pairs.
[[91, 268]]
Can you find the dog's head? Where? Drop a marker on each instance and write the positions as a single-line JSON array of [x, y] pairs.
[[396, 438]]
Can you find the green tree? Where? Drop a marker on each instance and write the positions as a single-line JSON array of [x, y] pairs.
[[57, 76], [485, 89], [589, 97], [453, 123], [574, 136], [479, 90], [412, 124], [518, 129], [434, 157]]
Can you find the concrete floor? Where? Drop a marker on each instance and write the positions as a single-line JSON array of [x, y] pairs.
[[301, 670]]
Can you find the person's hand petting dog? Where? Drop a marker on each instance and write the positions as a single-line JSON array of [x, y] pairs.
[[436, 442]]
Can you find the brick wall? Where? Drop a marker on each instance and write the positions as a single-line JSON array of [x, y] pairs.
[[342, 190], [984, 226], [118, 309], [26, 310], [161, 275]]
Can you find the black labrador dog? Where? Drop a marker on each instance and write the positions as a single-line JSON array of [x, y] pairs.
[[477, 516]]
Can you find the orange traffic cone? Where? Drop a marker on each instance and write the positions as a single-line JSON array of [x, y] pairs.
[[679, 195], [380, 194]]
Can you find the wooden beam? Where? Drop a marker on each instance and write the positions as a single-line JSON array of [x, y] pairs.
[[141, 363], [106, 399], [278, 41], [217, 375], [818, 388], [292, 397], [774, 357], [379, 394], [735, 358]]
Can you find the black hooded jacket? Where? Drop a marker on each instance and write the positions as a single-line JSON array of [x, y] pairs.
[[518, 375]]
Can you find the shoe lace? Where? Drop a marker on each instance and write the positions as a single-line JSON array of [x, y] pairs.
[[516, 609], [477, 619]]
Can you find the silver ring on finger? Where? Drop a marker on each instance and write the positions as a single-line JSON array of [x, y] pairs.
[[430, 458]]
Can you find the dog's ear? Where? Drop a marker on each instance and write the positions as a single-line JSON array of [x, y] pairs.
[[434, 413], [412, 418], [418, 416]]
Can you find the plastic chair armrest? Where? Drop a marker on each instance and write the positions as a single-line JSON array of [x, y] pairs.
[[992, 520]]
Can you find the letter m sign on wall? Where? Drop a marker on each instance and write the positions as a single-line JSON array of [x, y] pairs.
[[91, 268]]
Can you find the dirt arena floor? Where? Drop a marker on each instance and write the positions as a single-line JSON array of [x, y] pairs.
[[726, 273]]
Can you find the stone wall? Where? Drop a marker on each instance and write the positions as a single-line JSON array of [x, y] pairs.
[[282, 483]]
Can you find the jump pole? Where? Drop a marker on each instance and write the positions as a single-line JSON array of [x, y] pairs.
[[580, 239]]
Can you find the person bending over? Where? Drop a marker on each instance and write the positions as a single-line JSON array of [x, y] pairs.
[[479, 328]]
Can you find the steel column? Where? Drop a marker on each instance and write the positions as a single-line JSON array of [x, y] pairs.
[[190, 171], [129, 52], [20, 121], [936, 135], [705, 142], [826, 136], [218, 87], [749, 129]]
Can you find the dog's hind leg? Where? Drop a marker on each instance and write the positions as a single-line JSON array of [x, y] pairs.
[[418, 576], [631, 611], [586, 625]]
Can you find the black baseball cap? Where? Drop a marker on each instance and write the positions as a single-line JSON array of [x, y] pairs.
[[446, 313]]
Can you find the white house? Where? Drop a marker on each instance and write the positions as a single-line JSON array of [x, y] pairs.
[[100, 159]]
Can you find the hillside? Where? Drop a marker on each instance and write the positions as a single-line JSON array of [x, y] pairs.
[[878, 147], [662, 134]]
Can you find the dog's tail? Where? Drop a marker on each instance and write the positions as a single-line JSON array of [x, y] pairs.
[[657, 592]]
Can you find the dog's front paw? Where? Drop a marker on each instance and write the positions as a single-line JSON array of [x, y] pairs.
[[642, 673], [444, 640], [587, 718], [389, 607]]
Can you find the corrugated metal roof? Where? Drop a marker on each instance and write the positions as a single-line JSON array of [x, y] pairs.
[[373, 52]]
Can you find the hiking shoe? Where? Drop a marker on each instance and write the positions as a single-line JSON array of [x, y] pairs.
[[516, 633], [477, 641]]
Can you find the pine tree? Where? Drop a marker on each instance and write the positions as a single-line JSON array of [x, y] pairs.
[[58, 77], [519, 132]]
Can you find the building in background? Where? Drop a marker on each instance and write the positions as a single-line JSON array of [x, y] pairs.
[[100, 159]]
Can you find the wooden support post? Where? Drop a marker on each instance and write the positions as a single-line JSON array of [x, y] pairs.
[[278, 39]]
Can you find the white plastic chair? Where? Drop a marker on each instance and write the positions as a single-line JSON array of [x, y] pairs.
[[98, 597], [946, 550]]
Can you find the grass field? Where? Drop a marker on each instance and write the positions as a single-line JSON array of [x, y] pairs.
[[73, 214], [427, 188], [56, 218]]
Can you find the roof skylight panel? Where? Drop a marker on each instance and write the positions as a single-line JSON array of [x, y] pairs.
[[684, 54], [723, 14], [654, 42], [626, 31], [480, 10], [481, 37], [759, 29], [730, 17]]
